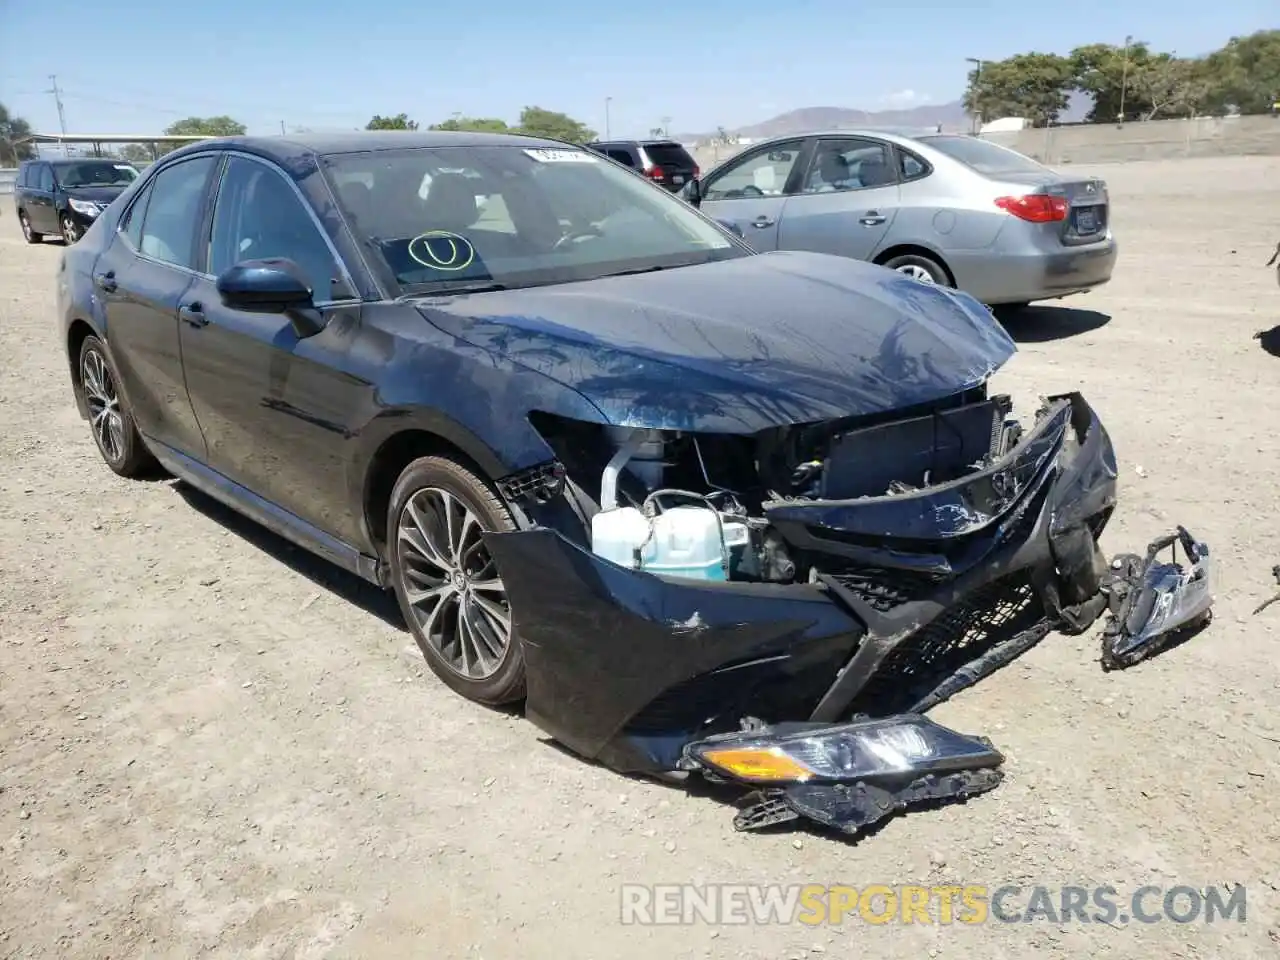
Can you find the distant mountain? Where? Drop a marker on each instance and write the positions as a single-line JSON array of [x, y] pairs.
[[950, 115]]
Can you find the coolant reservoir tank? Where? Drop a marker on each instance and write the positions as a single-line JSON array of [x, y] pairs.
[[617, 534]]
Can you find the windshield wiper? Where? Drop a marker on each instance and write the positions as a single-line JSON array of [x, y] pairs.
[[629, 273], [480, 287]]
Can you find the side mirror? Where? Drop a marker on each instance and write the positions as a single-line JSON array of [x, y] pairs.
[[271, 286], [692, 192], [732, 228]]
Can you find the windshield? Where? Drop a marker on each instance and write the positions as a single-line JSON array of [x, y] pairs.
[[475, 216], [983, 155], [100, 173]]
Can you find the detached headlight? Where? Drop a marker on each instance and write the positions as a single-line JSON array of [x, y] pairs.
[[906, 744], [85, 208]]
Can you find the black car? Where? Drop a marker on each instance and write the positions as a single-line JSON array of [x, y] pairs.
[[701, 509], [64, 197], [663, 161]]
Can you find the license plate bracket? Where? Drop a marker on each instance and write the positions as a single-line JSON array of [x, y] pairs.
[[1087, 220]]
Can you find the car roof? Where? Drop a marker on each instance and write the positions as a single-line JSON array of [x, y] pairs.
[[284, 148], [635, 143]]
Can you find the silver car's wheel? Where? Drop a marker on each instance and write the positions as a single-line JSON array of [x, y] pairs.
[[916, 271], [451, 585], [104, 406]]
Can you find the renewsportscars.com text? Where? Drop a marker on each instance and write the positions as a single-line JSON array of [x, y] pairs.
[[816, 904]]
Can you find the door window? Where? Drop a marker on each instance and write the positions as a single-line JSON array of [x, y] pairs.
[[622, 156], [851, 164], [45, 181], [258, 216], [173, 212], [131, 225], [762, 174]]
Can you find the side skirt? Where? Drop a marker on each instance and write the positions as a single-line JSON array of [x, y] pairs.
[[275, 518]]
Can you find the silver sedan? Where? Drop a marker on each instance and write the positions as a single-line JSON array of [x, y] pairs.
[[947, 209]]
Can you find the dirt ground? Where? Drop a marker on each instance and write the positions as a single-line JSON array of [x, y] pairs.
[[210, 744]]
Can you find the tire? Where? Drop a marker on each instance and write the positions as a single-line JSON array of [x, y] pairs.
[[27, 233], [117, 439], [71, 231], [920, 267], [460, 631]]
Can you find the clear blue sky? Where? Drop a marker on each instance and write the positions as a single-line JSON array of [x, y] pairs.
[[134, 66]]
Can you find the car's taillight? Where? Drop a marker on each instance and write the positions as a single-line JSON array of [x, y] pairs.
[[655, 173], [1035, 207]]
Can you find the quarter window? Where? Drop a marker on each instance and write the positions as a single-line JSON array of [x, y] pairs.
[[259, 216], [173, 212], [763, 174], [622, 156]]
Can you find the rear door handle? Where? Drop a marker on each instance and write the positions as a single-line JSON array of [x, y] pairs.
[[872, 218], [762, 221], [105, 281], [193, 313]]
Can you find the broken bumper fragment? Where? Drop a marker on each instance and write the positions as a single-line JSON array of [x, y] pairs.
[[1151, 602], [846, 776]]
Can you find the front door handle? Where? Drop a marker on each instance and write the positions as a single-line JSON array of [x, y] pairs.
[[193, 313], [872, 218], [106, 281], [762, 222]]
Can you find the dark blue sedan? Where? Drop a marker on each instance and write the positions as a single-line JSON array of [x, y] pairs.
[[611, 461]]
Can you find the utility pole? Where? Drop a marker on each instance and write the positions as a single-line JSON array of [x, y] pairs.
[[607, 101], [977, 92], [666, 126], [1124, 76], [282, 128], [57, 98]]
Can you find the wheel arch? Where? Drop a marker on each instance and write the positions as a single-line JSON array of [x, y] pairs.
[[395, 449], [78, 331], [919, 250]]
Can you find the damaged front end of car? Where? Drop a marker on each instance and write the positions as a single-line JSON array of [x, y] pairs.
[[778, 610]]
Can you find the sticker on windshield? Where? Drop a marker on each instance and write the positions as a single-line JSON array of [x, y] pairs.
[[551, 155], [442, 250]]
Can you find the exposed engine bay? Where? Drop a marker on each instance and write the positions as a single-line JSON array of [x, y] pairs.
[[684, 504]]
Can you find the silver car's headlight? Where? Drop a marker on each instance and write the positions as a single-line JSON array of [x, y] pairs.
[[86, 208], [906, 744]]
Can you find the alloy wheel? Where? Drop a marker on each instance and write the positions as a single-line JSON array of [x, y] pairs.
[[451, 583], [70, 232], [917, 272], [26, 226], [104, 406]]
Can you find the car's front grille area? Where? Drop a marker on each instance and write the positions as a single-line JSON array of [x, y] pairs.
[[883, 590], [963, 632]]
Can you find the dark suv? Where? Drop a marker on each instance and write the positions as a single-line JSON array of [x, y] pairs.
[[64, 197], [663, 161]]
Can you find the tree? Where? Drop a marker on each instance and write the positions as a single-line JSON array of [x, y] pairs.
[[537, 122], [1170, 86], [135, 153], [13, 129], [474, 124], [1032, 85], [222, 126], [400, 121], [1244, 74], [1106, 73]]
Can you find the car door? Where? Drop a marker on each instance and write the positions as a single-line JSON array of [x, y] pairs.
[[751, 190], [275, 408], [140, 279], [846, 200], [40, 209]]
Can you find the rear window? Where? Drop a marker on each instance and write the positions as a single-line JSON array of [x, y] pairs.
[[983, 155], [669, 155]]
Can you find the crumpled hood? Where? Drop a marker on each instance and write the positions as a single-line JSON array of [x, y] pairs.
[[740, 345]]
